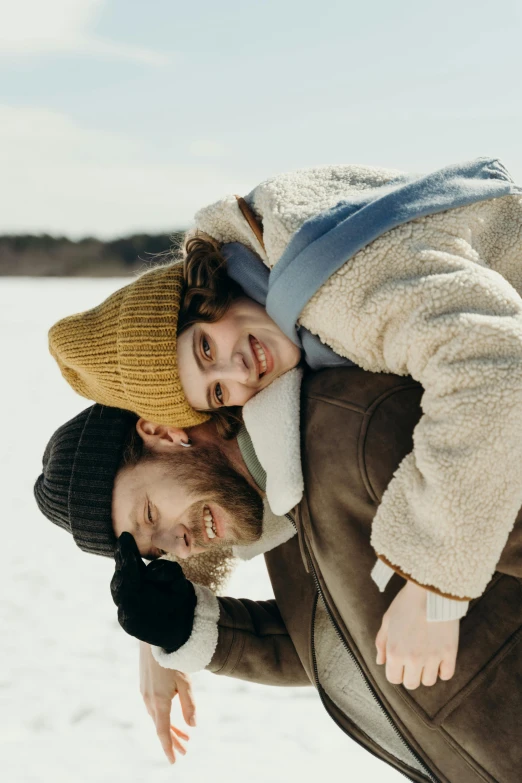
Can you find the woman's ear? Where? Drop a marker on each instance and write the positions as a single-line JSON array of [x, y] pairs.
[[160, 437]]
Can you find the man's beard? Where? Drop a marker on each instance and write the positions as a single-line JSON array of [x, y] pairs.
[[209, 474]]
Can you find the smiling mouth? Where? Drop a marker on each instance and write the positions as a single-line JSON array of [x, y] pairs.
[[260, 356], [208, 521]]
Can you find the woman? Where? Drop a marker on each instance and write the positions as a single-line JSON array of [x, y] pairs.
[[416, 276]]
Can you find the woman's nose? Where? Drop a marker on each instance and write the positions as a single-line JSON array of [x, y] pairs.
[[233, 369]]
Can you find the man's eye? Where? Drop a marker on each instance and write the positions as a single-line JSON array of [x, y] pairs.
[[149, 514], [205, 347], [218, 391]]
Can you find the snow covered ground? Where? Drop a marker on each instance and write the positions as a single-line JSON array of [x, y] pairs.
[[70, 708]]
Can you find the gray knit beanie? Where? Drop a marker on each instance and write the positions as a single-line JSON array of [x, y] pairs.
[[80, 463]]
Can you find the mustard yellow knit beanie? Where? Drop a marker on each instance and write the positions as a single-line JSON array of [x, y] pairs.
[[123, 352]]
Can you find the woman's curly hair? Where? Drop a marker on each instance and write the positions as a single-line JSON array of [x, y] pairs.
[[209, 291], [207, 295]]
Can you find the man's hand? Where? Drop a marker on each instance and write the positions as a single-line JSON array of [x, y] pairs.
[[414, 650], [158, 686], [155, 602]]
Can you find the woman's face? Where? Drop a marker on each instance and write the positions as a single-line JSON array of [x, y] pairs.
[[225, 363]]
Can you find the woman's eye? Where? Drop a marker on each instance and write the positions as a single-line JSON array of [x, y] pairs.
[[206, 347], [218, 391], [149, 514]]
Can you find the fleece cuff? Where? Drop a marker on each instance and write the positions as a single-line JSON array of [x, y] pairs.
[[199, 648], [438, 607]]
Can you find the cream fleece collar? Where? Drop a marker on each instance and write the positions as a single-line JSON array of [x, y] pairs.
[[272, 421], [276, 531]]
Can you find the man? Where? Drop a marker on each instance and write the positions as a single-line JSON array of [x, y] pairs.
[[356, 428]]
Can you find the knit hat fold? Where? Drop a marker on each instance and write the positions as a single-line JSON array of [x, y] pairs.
[[123, 353]]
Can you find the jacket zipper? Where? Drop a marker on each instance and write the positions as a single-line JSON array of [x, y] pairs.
[[359, 669]]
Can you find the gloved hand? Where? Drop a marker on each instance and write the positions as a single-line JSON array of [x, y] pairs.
[[155, 602]]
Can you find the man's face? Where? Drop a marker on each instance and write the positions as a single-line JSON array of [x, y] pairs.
[[185, 503]]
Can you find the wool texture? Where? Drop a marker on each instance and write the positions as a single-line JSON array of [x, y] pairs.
[[80, 462], [438, 299], [122, 353]]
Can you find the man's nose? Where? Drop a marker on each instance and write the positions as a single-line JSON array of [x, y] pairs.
[[174, 540]]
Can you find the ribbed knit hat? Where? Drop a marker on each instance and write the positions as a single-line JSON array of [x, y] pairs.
[[80, 463], [123, 353]]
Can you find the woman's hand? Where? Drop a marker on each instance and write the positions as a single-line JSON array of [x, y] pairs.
[[158, 686], [414, 650]]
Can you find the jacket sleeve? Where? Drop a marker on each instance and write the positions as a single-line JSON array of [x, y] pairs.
[[238, 638], [254, 645], [421, 300]]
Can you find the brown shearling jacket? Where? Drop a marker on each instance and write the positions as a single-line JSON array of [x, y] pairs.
[[356, 428]]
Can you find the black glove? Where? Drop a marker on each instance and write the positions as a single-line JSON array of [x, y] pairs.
[[155, 602]]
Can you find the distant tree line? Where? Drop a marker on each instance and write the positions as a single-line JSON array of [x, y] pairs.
[[46, 255]]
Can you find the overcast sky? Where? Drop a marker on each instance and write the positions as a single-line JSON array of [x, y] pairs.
[[124, 115]]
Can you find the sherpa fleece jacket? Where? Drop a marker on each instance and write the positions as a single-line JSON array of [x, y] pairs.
[[321, 627], [438, 299]]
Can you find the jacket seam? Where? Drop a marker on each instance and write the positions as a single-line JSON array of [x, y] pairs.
[[366, 412], [261, 635], [359, 409], [467, 689], [370, 411], [475, 767], [239, 654], [230, 648], [455, 746], [364, 409], [238, 637]]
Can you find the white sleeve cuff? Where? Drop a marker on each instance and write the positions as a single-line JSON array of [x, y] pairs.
[[199, 648], [440, 609], [381, 574]]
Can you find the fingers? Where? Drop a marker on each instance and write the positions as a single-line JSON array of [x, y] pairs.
[[129, 567], [412, 673], [380, 643], [179, 733], [161, 718], [126, 547], [447, 667], [413, 669], [394, 671], [164, 571], [186, 699], [430, 672], [381, 640], [176, 743], [169, 736]]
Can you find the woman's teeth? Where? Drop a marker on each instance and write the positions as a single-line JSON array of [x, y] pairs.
[[261, 356], [210, 525]]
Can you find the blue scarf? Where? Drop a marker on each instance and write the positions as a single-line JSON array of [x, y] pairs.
[[327, 240]]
